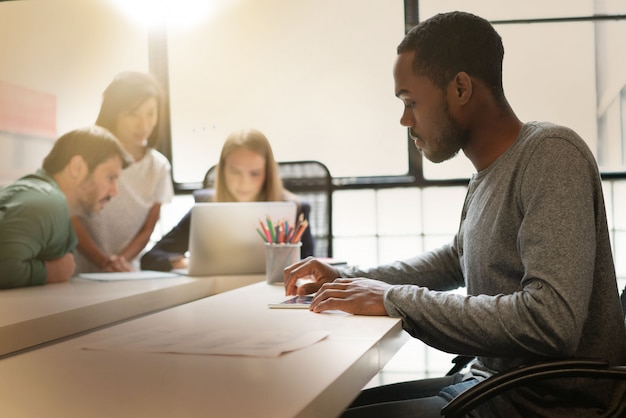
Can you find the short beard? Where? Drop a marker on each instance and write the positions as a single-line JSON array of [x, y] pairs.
[[451, 139]]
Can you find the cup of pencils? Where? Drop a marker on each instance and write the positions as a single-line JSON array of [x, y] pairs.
[[282, 246]]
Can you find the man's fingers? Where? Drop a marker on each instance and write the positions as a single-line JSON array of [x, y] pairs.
[[331, 304], [308, 288]]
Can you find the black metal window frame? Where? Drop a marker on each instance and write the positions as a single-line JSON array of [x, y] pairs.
[[159, 66]]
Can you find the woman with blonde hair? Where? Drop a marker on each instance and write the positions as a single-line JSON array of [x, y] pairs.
[[246, 172], [249, 150]]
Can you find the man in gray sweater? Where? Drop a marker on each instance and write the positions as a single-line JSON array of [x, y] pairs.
[[532, 248]]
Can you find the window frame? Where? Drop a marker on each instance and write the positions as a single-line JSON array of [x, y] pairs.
[[158, 65]]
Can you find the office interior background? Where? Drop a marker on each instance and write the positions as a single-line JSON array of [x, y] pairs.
[[316, 77]]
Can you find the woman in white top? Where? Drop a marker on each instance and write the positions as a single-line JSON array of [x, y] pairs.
[[113, 239]]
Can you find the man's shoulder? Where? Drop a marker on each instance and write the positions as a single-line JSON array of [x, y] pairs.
[[34, 191], [542, 136], [540, 131]]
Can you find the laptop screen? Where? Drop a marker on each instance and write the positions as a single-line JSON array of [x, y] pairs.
[[224, 240]]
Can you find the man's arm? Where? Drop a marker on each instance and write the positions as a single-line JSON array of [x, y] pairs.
[[16, 271], [438, 270], [528, 293], [36, 228], [21, 245], [530, 302], [60, 269]]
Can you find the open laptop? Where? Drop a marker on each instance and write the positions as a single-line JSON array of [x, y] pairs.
[[223, 237]]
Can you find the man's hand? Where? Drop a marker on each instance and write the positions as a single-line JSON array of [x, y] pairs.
[[60, 269], [312, 270], [358, 296]]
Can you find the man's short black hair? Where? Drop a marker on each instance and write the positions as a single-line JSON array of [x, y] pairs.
[[449, 43]]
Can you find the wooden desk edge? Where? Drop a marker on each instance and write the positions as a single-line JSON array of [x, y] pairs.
[[340, 394], [33, 332]]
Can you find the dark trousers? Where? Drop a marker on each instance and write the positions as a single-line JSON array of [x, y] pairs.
[[417, 398]]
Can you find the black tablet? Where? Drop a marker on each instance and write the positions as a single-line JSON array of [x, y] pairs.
[[294, 302]]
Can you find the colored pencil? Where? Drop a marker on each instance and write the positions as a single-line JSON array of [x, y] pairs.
[[266, 232], [298, 234], [263, 237], [271, 229]]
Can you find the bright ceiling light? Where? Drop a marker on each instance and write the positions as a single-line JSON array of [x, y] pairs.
[[181, 13]]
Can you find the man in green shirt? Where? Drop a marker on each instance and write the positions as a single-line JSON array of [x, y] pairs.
[[78, 177]]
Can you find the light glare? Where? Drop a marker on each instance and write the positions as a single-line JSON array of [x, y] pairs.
[[173, 13]]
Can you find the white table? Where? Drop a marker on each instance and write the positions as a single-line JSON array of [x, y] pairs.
[[34, 315], [320, 380]]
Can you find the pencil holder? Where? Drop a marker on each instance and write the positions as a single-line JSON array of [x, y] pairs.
[[277, 257]]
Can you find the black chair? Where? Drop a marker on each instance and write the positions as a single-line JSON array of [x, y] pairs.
[[312, 182], [526, 374]]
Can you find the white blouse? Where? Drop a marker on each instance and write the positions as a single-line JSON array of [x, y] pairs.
[[141, 185]]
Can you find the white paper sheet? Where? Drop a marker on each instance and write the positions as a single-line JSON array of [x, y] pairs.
[[227, 342], [127, 275]]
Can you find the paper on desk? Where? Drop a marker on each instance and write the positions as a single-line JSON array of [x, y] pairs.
[[127, 275], [222, 342]]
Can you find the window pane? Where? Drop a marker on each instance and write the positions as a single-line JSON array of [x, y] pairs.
[[620, 250], [354, 213], [442, 209], [619, 206], [315, 77], [398, 248], [611, 81], [528, 9], [359, 251], [399, 211]]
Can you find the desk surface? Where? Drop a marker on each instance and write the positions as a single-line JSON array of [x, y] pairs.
[[320, 380], [35, 315]]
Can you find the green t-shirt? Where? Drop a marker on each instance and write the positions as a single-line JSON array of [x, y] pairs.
[[35, 226]]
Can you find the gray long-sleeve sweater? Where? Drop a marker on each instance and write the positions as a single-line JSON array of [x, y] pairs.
[[533, 251]]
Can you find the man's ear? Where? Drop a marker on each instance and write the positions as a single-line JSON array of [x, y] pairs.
[[77, 168], [463, 87]]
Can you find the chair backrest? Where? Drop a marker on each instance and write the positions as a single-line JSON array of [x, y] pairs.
[[312, 182]]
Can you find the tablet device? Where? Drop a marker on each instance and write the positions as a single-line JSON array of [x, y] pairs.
[[295, 302]]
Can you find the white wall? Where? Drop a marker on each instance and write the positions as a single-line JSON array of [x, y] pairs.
[[71, 49]]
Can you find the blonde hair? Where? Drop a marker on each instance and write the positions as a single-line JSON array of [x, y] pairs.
[[258, 143]]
